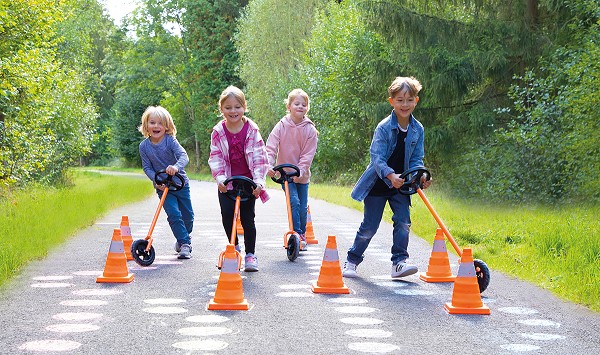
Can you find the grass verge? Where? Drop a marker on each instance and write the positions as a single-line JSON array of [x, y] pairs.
[[556, 248], [34, 221]]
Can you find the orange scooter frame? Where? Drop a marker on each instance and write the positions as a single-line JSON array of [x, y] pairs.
[[242, 190], [142, 250], [412, 185], [291, 239]]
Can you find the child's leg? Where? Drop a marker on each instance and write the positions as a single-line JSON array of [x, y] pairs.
[[227, 207], [400, 205], [295, 204], [171, 207], [373, 211], [185, 206], [303, 205], [247, 219]]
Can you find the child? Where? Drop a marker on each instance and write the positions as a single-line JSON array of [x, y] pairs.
[[161, 151], [293, 140], [397, 146], [237, 148]]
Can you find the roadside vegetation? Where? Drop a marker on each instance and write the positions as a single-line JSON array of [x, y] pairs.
[[36, 220]]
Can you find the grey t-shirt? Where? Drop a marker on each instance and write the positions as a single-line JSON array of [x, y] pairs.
[[156, 157]]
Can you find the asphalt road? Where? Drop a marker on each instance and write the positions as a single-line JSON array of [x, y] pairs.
[[55, 305]]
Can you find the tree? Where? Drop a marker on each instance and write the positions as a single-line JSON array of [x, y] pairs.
[[270, 43], [46, 118]]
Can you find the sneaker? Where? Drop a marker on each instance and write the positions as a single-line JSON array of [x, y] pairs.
[[250, 263], [303, 242], [185, 252], [177, 247], [403, 269], [349, 270]]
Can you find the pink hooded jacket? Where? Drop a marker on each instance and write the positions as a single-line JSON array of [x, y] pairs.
[[291, 143]]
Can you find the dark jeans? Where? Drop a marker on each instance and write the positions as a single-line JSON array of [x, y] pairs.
[[374, 206], [299, 204], [180, 215], [246, 217]]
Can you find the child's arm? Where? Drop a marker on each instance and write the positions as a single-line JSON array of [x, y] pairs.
[[308, 154], [146, 165], [181, 156], [216, 160]]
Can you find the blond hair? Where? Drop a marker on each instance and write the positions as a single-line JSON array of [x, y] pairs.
[[160, 113], [236, 93], [295, 93], [401, 83]]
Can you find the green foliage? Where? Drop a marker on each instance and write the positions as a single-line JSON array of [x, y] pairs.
[[46, 118], [270, 41], [344, 55], [549, 150]]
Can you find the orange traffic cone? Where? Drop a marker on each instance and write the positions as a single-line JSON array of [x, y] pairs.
[[466, 298], [438, 269], [238, 226], [116, 262], [229, 294], [330, 276], [310, 233], [126, 237]]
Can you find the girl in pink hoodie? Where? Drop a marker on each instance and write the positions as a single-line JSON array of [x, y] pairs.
[[293, 140]]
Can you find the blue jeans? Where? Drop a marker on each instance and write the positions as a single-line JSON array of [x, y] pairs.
[[180, 215], [299, 203], [373, 212]]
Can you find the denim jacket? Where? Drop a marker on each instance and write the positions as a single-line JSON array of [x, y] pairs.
[[382, 147]]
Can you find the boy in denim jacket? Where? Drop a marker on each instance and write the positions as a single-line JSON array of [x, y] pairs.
[[380, 181]]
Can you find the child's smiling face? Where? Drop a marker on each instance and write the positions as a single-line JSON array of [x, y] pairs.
[[232, 109], [156, 129], [404, 104]]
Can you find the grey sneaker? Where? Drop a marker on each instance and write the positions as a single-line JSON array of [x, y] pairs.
[[349, 270], [303, 242], [403, 269], [177, 247], [250, 263], [185, 252]]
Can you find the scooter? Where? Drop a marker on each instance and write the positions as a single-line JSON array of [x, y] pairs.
[[412, 184], [142, 250], [242, 190], [291, 239]]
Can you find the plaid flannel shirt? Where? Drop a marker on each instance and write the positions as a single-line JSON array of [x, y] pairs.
[[255, 152]]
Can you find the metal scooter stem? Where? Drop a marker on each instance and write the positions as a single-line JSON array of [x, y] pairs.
[[439, 221]]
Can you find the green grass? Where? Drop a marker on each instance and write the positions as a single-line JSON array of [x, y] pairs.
[[557, 248], [34, 221]]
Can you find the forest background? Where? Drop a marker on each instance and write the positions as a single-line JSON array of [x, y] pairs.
[[510, 99]]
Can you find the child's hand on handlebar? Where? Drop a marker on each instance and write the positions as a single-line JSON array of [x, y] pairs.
[[256, 192], [424, 182], [171, 170], [222, 188], [395, 179], [271, 173]]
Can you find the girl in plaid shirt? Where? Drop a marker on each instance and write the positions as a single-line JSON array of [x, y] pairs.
[[237, 148]]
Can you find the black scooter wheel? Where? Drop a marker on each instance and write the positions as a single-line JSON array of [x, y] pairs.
[[139, 253], [483, 274], [293, 249]]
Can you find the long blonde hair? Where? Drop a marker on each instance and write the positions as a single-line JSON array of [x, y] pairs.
[[163, 115]]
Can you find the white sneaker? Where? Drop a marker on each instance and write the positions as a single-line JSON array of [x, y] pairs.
[[403, 269], [251, 263], [349, 270]]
